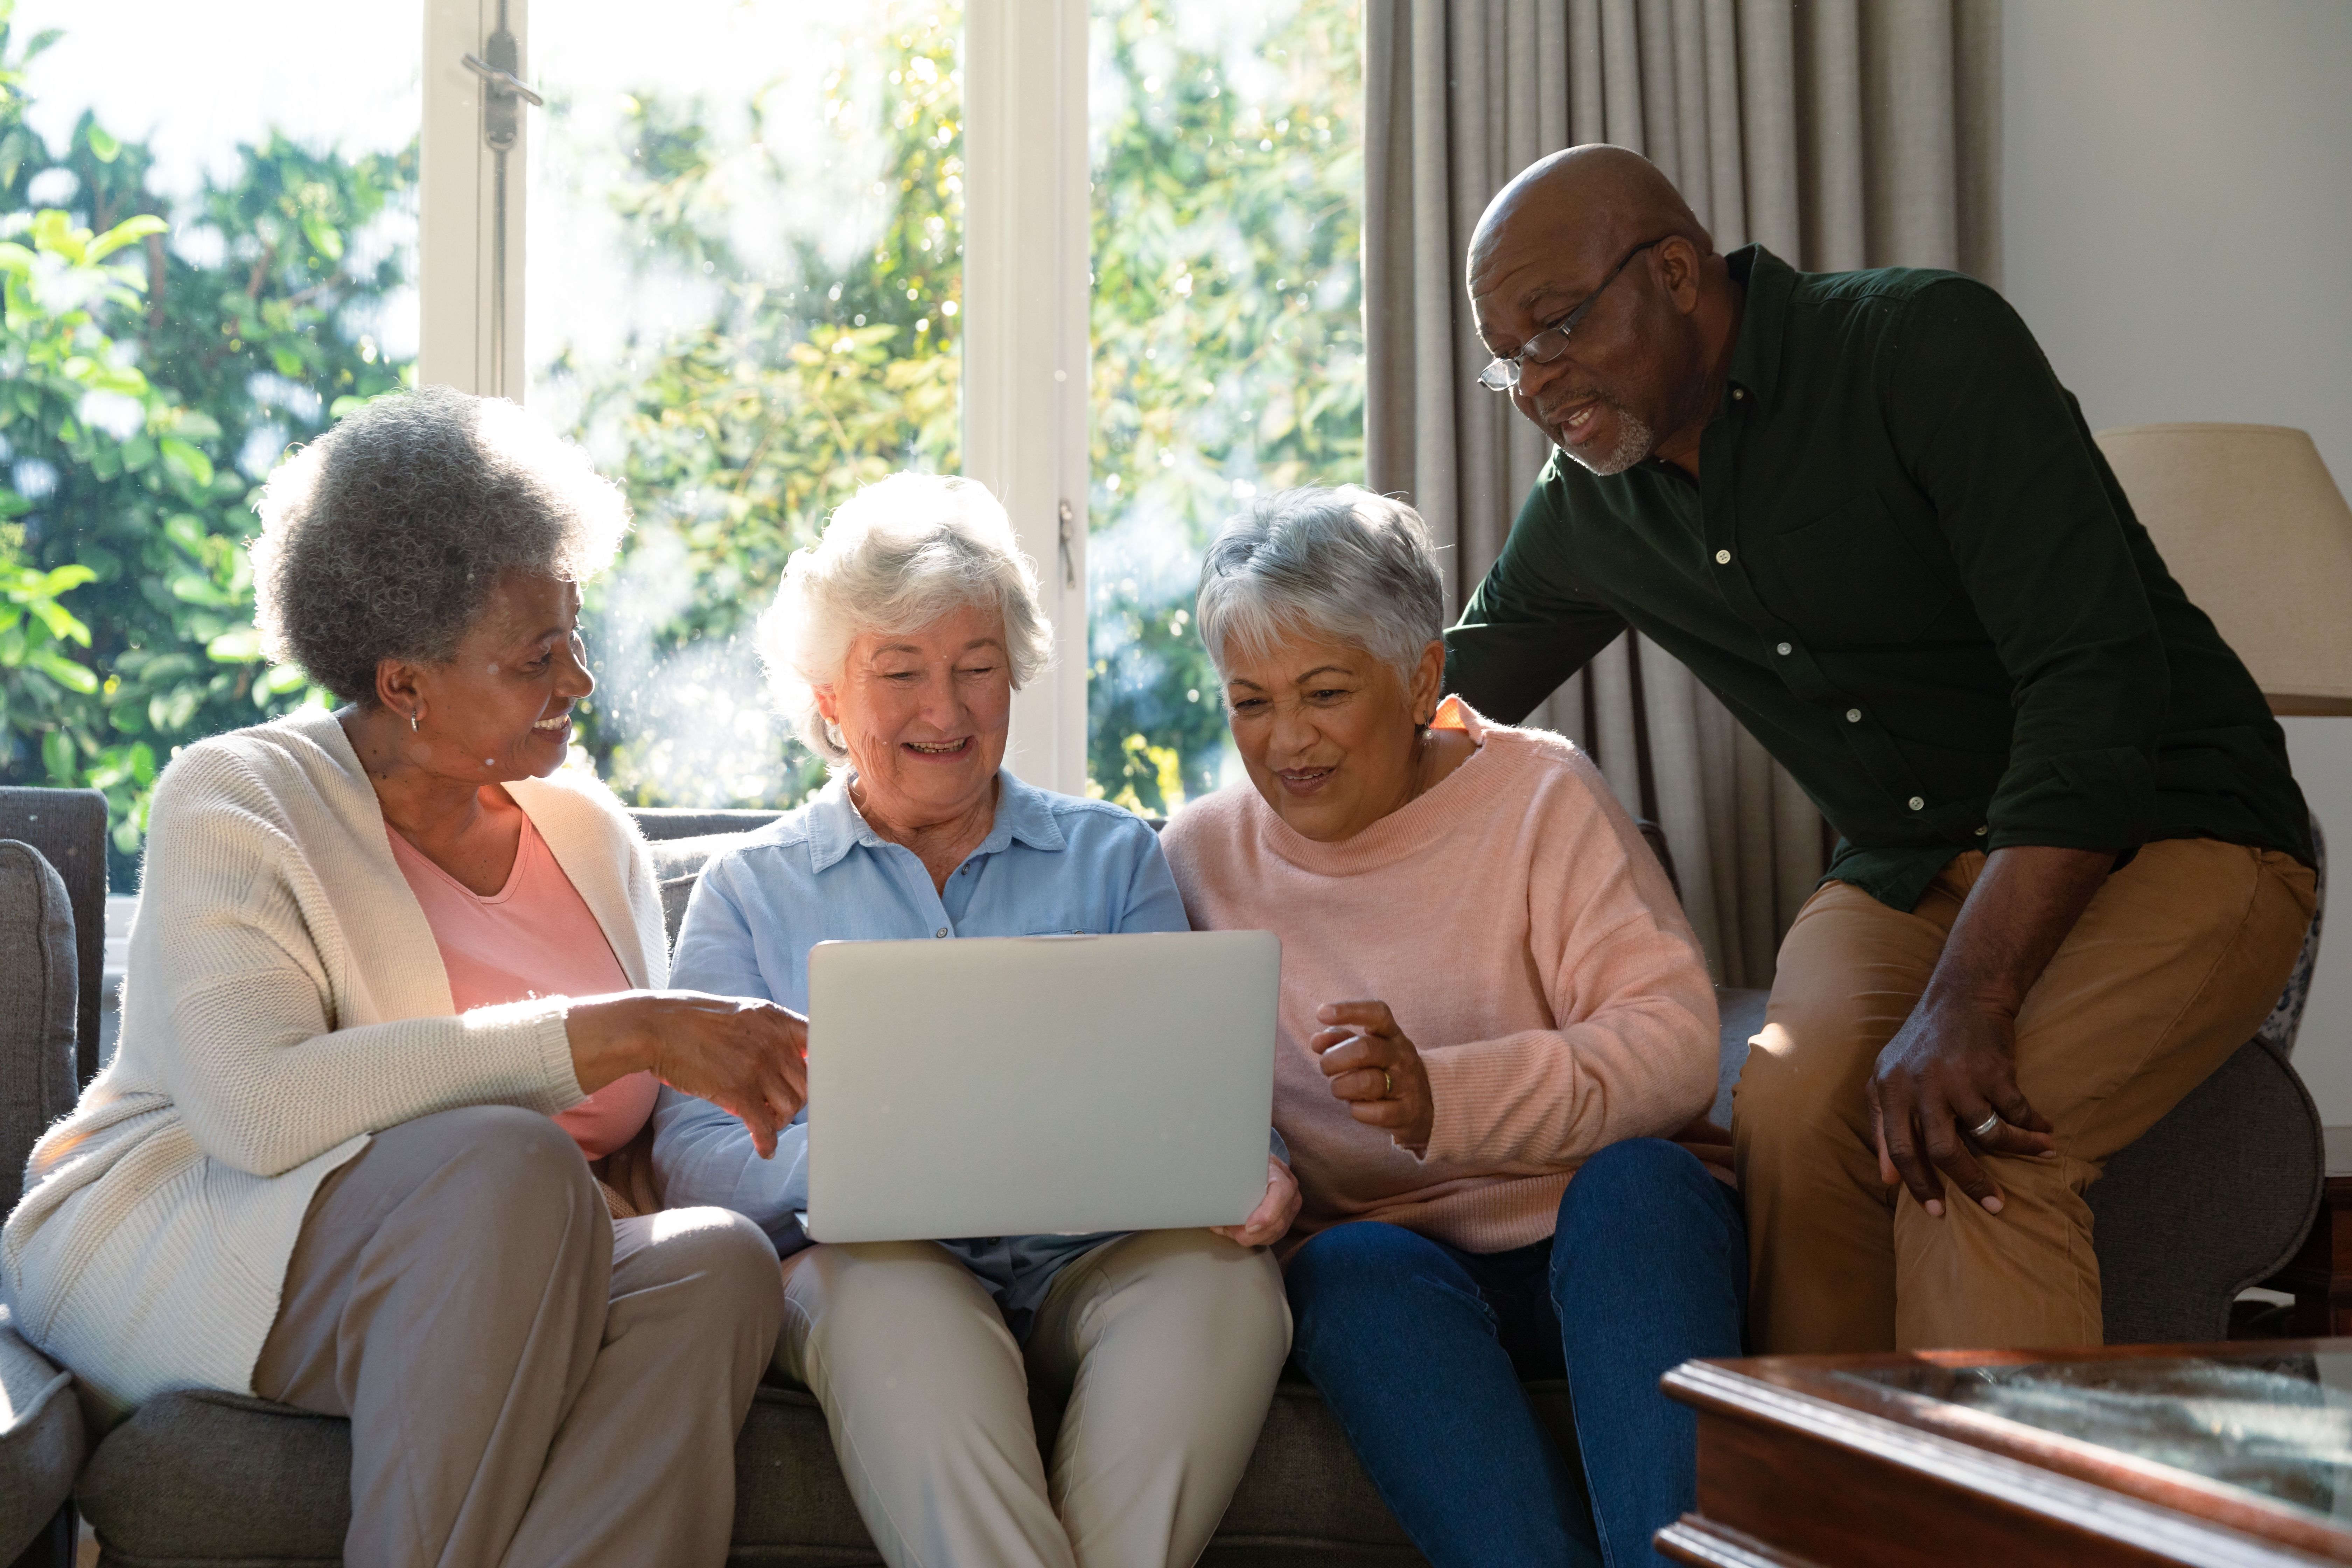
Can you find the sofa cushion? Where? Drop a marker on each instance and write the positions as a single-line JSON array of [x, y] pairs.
[[40, 1440], [37, 954], [221, 1479], [660, 823], [678, 865], [1742, 1014]]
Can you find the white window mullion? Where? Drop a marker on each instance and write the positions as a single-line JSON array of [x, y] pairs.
[[1026, 335], [459, 218]]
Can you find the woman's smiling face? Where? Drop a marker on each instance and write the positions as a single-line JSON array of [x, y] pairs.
[[501, 709], [1329, 732], [925, 714]]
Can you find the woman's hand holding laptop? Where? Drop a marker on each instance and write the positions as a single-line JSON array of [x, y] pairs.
[[1270, 1221]]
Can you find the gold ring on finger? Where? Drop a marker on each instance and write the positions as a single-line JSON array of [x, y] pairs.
[[1388, 1085]]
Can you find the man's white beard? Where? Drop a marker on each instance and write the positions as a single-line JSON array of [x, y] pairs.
[[1636, 441]]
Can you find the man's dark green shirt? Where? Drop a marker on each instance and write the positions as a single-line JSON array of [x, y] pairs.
[[1906, 568]]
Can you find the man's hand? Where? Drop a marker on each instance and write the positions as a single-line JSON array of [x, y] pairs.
[[1375, 1071], [1950, 1069], [1951, 1066], [1270, 1221]]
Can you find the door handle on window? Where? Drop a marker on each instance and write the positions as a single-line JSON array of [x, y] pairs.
[[501, 128], [1069, 566], [505, 82]]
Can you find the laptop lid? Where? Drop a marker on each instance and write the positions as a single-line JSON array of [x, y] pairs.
[[1017, 1086]]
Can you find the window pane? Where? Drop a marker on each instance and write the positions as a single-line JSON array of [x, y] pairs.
[[154, 373], [744, 273], [1228, 336]]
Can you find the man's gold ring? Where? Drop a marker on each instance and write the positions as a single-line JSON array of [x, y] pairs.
[[1984, 1128], [1388, 1085]]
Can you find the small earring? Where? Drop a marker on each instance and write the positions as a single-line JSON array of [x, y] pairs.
[[413, 720]]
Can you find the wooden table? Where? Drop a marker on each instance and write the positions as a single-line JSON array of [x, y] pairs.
[[1884, 1462], [2320, 1277]]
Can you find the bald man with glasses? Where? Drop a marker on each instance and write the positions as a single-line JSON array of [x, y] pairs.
[[2074, 869]]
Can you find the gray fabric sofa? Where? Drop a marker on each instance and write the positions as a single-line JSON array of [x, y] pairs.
[[2215, 1198], [44, 960]]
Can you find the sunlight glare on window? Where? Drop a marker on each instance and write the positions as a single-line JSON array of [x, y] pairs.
[[744, 260], [211, 231], [1227, 165]]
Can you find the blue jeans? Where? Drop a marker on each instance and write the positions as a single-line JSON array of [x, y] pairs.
[[1420, 1348]]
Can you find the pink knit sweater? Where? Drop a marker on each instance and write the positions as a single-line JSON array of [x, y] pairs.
[[1528, 944]]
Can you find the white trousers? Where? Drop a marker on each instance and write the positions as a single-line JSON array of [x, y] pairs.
[[1163, 1348]]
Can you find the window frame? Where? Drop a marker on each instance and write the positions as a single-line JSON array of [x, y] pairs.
[[1026, 343]]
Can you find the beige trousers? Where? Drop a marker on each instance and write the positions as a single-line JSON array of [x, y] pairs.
[[528, 1381], [2177, 960], [1162, 1348]]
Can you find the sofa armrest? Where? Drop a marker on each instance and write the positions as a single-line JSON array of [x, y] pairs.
[[2216, 1197], [41, 1440], [37, 1041], [69, 827]]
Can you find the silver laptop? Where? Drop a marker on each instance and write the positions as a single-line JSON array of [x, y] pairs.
[[1017, 1086]]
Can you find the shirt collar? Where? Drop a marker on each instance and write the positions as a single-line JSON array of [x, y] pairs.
[[1756, 355], [1022, 812]]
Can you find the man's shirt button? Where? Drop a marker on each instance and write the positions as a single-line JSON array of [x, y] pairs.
[[1918, 803], [941, 931], [1784, 650], [1982, 831], [1853, 715], [1736, 393], [1723, 558]]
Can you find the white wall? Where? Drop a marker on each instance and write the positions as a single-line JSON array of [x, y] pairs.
[[2177, 214]]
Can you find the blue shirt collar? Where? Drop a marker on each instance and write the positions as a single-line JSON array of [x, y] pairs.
[[1022, 812]]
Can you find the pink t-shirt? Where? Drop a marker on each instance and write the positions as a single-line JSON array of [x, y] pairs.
[[534, 937]]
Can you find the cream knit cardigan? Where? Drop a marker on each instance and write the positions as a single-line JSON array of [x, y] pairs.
[[286, 1000]]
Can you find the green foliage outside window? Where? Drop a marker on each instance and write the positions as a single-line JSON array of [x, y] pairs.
[[145, 393], [134, 381], [736, 439], [1228, 336]]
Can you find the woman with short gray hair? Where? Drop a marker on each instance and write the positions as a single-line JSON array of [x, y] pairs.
[[391, 992], [1492, 1013], [898, 641]]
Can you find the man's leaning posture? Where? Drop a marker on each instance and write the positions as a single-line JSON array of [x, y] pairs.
[[2073, 870]]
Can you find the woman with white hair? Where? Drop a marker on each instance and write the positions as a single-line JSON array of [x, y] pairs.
[[898, 642], [392, 990], [1493, 1011]]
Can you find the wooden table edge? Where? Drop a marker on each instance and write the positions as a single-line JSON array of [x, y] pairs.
[[1706, 1544], [2127, 1503]]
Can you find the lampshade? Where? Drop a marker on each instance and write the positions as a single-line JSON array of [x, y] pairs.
[[2253, 528]]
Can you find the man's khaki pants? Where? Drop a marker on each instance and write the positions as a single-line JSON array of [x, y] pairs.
[[1163, 1347], [2178, 958], [529, 1381]]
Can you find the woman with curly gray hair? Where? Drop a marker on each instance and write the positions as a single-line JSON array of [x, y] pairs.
[[394, 986], [898, 642]]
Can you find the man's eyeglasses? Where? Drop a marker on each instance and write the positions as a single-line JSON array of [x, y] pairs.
[[1502, 374]]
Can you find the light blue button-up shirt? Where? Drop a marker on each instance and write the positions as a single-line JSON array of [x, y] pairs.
[[1051, 864]]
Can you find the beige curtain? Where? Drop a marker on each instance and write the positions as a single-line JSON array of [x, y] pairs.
[[1841, 133]]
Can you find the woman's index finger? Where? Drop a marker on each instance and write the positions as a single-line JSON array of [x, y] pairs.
[[1367, 1014]]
